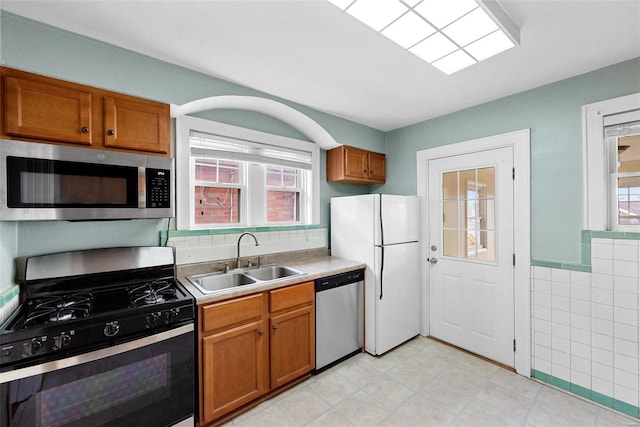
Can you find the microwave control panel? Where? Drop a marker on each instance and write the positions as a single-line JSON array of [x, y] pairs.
[[158, 188]]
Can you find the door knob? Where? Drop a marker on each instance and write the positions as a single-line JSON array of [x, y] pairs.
[[433, 260]]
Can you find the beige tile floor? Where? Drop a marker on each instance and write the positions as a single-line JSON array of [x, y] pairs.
[[425, 383]]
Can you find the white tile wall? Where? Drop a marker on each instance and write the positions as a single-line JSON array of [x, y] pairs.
[[191, 249], [586, 325]]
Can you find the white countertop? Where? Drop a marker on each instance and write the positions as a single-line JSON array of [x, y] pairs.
[[314, 268]]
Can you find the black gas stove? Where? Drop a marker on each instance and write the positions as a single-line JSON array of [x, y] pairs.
[[79, 301]]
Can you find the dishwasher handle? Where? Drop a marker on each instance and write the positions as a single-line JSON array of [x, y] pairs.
[[330, 282]]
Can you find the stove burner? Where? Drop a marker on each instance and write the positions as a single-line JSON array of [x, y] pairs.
[[59, 308], [152, 293]]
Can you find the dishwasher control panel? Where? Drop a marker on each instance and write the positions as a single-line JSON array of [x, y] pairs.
[[331, 282]]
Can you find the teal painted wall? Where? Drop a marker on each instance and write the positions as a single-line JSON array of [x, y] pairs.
[[33, 46], [553, 113]]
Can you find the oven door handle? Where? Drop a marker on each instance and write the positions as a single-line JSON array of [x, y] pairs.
[[46, 367]]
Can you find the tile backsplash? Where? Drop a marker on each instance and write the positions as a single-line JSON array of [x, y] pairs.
[[9, 301], [201, 247], [585, 325]]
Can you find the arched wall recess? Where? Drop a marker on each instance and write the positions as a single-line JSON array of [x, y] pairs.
[[288, 115]]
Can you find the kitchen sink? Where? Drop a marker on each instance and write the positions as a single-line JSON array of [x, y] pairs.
[[218, 281], [211, 282], [272, 272]]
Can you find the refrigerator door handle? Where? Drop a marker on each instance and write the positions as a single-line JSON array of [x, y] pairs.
[[382, 245], [381, 268]]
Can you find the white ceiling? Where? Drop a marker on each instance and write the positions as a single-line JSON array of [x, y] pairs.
[[312, 53]]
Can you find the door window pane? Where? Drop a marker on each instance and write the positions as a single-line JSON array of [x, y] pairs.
[[468, 213]]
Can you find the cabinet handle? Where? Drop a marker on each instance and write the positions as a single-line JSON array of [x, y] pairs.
[[260, 333], [111, 132], [275, 327], [84, 129]]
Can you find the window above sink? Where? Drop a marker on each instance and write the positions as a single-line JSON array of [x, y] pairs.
[[229, 176]]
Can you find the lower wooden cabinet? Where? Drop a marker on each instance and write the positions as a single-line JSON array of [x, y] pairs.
[[251, 345]]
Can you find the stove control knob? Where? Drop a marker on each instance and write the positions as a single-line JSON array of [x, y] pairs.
[[111, 329], [171, 315], [36, 345], [61, 341]]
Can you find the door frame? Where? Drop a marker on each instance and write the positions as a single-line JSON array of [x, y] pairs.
[[519, 141]]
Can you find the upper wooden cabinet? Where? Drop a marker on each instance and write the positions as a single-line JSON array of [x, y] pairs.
[[355, 166], [43, 109]]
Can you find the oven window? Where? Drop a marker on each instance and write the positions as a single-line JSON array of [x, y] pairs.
[[153, 385], [82, 398]]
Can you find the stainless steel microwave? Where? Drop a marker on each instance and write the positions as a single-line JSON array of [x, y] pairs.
[[52, 182]]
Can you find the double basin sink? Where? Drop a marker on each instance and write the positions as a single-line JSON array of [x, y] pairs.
[[218, 281]]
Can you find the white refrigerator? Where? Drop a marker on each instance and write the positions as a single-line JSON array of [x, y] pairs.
[[382, 231]]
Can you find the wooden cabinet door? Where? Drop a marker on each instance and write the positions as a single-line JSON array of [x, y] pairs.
[[234, 369], [355, 163], [377, 167], [136, 126], [46, 111], [292, 345]]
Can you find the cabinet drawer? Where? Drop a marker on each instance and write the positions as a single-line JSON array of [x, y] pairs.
[[291, 296], [230, 313]]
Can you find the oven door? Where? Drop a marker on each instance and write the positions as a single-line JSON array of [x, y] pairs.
[[146, 382]]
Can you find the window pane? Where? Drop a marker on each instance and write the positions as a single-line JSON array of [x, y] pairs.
[[278, 176], [216, 170], [468, 213], [629, 200], [450, 186], [215, 205], [450, 242], [629, 154], [467, 183], [450, 214], [283, 206]]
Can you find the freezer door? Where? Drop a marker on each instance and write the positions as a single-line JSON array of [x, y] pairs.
[[397, 296], [399, 218]]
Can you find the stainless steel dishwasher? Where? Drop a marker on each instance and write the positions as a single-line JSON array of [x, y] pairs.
[[339, 317]]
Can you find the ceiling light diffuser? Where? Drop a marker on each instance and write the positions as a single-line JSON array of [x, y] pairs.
[[377, 13], [408, 30], [454, 62], [433, 48], [470, 27], [443, 12], [490, 45], [448, 34]]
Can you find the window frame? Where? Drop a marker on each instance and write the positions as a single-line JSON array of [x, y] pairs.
[[185, 196], [597, 197]]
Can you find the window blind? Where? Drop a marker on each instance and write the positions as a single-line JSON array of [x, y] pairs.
[[221, 147]]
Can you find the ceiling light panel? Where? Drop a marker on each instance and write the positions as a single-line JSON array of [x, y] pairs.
[[448, 34], [443, 12], [470, 27], [433, 48], [377, 13], [454, 62], [490, 45], [408, 30]]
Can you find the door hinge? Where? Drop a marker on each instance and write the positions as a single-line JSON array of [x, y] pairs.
[[514, 259], [514, 345], [513, 173]]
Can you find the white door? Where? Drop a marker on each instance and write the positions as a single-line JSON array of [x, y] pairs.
[[470, 247]]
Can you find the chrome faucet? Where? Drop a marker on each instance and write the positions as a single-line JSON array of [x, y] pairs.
[[238, 252]]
